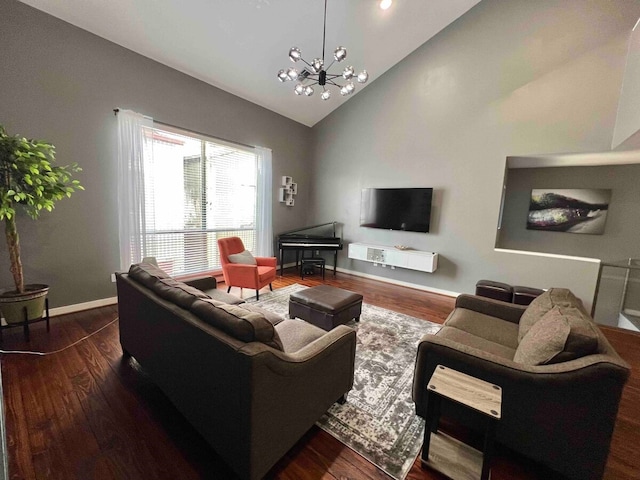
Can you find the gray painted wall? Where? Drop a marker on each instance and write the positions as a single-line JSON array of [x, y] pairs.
[[508, 78], [622, 228], [60, 83]]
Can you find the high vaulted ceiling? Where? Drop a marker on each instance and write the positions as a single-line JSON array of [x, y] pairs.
[[239, 45]]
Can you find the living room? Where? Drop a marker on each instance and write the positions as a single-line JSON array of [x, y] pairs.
[[515, 78]]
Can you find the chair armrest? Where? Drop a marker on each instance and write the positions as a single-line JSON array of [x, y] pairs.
[[204, 282], [494, 308], [266, 261]]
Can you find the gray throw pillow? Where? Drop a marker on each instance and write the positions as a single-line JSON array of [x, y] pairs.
[[542, 304], [243, 257], [562, 334]]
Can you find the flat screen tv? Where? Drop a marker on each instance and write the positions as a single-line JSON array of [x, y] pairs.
[[407, 209]]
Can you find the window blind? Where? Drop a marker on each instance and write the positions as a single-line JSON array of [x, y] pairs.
[[196, 190]]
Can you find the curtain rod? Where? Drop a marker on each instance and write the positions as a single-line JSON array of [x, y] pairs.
[[116, 110]]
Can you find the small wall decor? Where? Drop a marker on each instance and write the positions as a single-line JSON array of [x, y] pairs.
[[288, 191], [569, 210]]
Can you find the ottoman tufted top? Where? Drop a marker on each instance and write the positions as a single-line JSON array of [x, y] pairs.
[[325, 298]]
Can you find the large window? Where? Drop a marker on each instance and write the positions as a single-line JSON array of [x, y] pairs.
[[191, 191]]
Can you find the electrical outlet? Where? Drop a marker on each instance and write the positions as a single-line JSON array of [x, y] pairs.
[[113, 278]]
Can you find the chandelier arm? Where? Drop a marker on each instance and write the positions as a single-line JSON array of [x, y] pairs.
[[334, 61], [305, 62], [331, 76], [331, 82]]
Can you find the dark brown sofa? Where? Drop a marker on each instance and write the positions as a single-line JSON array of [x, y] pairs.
[[561, 379], [250, 382]]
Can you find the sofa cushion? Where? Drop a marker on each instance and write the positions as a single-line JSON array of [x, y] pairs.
[[239, 322], [224, 297], [490, 328], [243, 257], [474, 341], [553, 297], [147, 274], [177, 292], [296, 334], [274, 318], [562, 334]]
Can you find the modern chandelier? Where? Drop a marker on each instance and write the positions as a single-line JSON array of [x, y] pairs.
[[315, 72]]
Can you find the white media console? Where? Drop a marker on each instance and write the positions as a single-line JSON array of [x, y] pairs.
[[394, 257]]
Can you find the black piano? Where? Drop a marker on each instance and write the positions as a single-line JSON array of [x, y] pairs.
[[317, 237]]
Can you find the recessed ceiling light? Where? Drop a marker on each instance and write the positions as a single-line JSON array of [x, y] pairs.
[[384, 4]]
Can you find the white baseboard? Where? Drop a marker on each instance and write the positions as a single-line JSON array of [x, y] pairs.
[[416, 286], [79, 307]]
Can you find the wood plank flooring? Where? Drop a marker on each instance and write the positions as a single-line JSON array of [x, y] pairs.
[[87, 413]]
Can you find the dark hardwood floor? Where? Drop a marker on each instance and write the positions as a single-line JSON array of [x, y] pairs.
[[87, 413]]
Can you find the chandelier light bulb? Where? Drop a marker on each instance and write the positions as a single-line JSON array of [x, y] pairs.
[[292, 73], [350, 88], [317, 65], [348, 72], [308, 90], [384, 4], [282, 76], [325, 95], [343, 91], [295, 54], [340, 54], [299, 89], [363, 76]]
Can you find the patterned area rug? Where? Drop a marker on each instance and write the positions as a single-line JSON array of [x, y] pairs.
[[378, 421]]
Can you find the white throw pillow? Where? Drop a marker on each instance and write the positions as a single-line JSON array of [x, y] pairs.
[[243, 257]]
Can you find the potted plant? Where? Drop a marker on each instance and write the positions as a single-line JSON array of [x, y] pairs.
[[30, 181]]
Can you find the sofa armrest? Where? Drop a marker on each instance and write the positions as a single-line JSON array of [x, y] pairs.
[[202, 283], [290, 392], [494, 308], [289, 364]]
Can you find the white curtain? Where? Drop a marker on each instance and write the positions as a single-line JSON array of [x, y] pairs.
[[264, 227], [131, 213]]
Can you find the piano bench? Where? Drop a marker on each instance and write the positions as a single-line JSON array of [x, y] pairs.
[[307, 266], [325, 307]]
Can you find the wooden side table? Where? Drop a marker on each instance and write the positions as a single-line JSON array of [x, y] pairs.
[[448, 455]]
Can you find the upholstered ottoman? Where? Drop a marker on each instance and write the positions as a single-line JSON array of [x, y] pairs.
[[324, 306]]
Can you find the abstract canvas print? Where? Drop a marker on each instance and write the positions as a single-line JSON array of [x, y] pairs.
[[569, 210]]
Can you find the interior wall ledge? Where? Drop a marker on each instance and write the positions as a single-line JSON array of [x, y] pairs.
[[548, 255]]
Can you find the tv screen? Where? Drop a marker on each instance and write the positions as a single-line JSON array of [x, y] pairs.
[[406, 209]]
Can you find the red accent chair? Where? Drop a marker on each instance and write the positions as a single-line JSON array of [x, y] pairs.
[[243, 275]]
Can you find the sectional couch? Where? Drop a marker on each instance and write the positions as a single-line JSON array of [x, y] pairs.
[[251, 383]]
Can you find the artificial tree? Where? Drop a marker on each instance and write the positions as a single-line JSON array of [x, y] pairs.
[[30, 180]]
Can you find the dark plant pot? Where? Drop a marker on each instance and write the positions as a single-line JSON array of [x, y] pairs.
[[12, 304]]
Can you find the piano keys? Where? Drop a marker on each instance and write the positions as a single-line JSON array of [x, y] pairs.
[[317, 237]]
